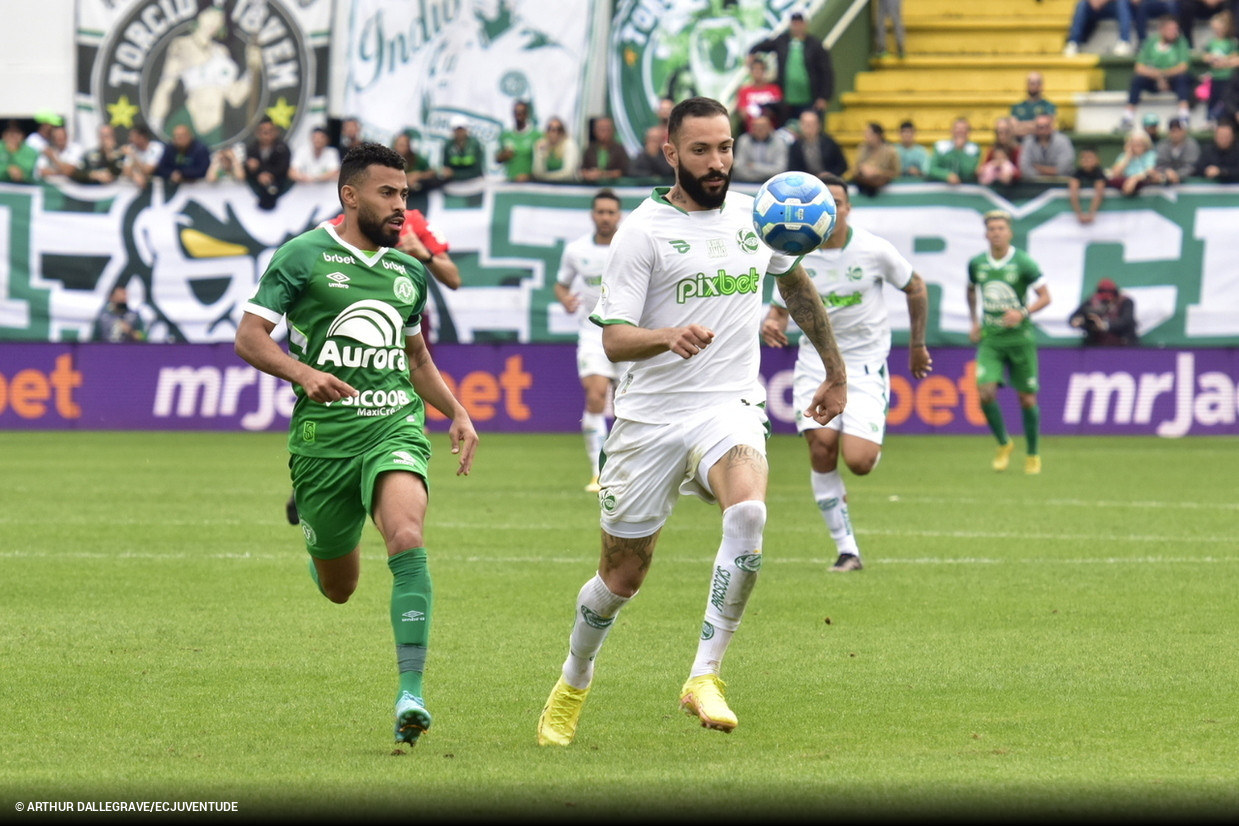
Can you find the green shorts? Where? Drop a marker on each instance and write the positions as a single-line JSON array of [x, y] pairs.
[[335, 495], [1015, 358]]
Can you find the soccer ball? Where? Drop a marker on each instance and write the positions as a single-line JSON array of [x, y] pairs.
[[794, 213]]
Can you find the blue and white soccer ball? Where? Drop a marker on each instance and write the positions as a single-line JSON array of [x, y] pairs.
[[794, 212]]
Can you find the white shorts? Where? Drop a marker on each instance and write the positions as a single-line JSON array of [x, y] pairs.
[[864, 415], [591, 359], [647, 466]]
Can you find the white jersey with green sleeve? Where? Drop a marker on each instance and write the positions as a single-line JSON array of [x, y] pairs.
[[851, 281], [671, 268], [580, 270], [349, 313]]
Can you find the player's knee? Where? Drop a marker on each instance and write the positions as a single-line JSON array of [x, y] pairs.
[[747, 518], [339, 592], [863, 465], [409, 536]]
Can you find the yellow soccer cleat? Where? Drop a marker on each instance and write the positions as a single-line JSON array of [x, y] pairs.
[[1002, 456], [593, 486], [557, 723], [1032, 465], [702, 697]]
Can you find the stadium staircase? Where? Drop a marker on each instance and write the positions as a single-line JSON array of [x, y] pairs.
[[967, 58]]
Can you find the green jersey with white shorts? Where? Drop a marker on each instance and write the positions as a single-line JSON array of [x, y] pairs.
[[1003, 284], [349, 313]]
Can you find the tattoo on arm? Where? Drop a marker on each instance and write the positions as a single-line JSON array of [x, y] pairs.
[[918, 309], [805, 306]]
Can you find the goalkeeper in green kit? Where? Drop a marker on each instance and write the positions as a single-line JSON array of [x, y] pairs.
[[1006, 345], [360, 369]]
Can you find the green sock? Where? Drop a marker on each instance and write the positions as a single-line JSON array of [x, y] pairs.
[[1032, 429], [411, 601], [993, 415], [314, 575]]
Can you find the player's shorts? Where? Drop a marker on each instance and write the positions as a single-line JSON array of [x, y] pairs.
[[1018, 360], [864, 415], [647, 466], [591, 359], [335, 496]]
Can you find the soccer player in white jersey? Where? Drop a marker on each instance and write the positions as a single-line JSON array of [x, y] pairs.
[[850, 272], [577, 287], [682, 300]]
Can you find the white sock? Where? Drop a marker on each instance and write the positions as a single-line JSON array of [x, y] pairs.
[[594, 427], [832, 500], [735, 573], [596, 608]]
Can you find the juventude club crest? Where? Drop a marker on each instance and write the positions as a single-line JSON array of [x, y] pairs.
[[219, 67]]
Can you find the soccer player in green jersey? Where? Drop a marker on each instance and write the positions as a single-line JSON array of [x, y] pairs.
[[1004, 335], [360, 369]]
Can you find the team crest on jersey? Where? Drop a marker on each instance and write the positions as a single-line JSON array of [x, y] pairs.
[[404, 289], [219, 67], [855, 273], [747, 239]]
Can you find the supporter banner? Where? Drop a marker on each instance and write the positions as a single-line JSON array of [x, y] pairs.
[[681, 48], [515, 388], [192, 255], [413, 66], [218, 65]]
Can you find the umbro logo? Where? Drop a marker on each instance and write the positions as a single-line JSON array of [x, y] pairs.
[[413, 616], [340, 280]]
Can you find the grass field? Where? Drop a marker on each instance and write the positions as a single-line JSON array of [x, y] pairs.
[[1015, 647]]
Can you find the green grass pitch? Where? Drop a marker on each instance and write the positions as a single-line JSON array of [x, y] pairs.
[[1016, 646]]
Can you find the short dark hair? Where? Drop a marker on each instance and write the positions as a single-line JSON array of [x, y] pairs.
[[360, 157], [907, 124], [831, 179], [604, 194], [694, 107], [877, 128]]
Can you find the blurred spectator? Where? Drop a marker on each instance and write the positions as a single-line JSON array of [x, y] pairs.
[[1192, 10], [805, 73], [1004, 136], [1024, 113], [1222, 56], [1107, 317], [877, 162], [1132, 167], [755, 92], [226, 166], [61, 158], [267, 162], [1089, 175], [350, 135], [998, 169], [787, 131], [462, 155], [1219, 160], [605, 158], [651, 162], [185, 159], [1177, 154], [117, 321], [17, 158], [44, 120], [815, 151], [1089, 13], [891, 10], [759, 155], [955, 159], [316, 160], [102, 163], [516, 144], [1047, 153], [142, 155], [913, 158], [1163, 65], [417, 170], [665, 105], [556, 156], [1152, 126]]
